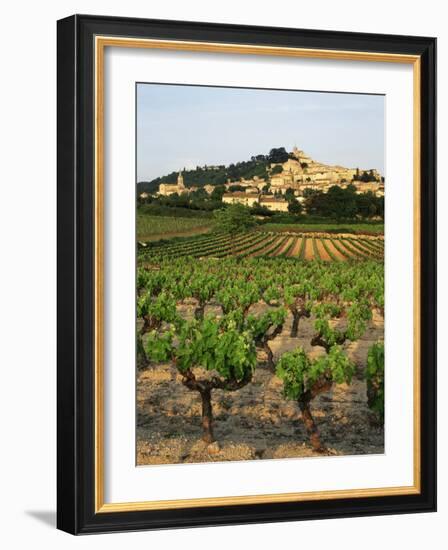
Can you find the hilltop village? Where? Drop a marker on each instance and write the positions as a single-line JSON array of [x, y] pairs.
[[295, 174]]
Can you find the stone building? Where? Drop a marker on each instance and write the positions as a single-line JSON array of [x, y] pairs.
[[377, 188], [282, 189], [166, 189], [239, 197], [298, 172], [301, 172], [283, 179], [278, 204]]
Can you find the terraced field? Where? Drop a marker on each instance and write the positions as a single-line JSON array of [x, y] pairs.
[[306, 246]]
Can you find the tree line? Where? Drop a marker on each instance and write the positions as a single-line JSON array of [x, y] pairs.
[[338, 203], [343, 203]]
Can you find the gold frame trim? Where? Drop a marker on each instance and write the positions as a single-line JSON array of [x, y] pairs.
[[101, 42]]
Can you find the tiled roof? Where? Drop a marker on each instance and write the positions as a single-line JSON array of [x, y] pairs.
[[240, 194], [273, 199]]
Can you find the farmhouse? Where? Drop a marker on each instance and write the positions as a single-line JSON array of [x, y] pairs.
[[278, 204], [239, 197]]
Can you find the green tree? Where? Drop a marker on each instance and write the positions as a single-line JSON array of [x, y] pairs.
[[379, 203], [217, 193], [367, 176], [315, 202], [366, 206], [277, 170], [289, 194], [236, 187], [294, 206], [259, 210], [234, 219], [267, 189], [278, 155], [308, 192], [199, 194], [340, 203]]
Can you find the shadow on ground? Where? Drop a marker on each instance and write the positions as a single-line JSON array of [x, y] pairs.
[[47, 517]]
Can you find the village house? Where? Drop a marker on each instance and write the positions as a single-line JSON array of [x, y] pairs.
[[277, 204], [310, 185], [209, 188], [299, 172], [374, 187], [282, 189], [239, 197], [283, 179]]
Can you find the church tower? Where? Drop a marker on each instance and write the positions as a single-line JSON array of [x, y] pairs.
[[180, 181]]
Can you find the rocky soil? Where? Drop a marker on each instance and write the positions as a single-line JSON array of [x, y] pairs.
[[255, 422]]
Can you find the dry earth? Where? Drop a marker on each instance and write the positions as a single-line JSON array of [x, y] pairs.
[[255, 422]]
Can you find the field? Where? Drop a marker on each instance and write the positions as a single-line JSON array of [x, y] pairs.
[[153, 228], [306, 246], [324, 227], [256, 346]]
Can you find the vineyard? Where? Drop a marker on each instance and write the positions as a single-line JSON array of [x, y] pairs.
[[375, 229], [158, 227], [247, 350], [305, 246]]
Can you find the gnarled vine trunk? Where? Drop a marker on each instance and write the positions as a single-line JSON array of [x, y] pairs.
[[319, 340], [297, 314], [295, 322], [204, 388], [149, 324], [304, 402], [207, 416], [199, 311], [269, 355], [265, 345], [205, 391], [142, 359], [310, 426]]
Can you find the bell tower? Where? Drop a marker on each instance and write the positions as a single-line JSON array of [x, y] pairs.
[[180, 180]]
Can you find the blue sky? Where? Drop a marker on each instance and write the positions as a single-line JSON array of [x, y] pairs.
[[186, 126]]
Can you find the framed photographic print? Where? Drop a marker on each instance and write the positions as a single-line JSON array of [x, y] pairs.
[[246, 274]]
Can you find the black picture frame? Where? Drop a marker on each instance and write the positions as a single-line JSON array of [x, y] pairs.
[[76, 270]]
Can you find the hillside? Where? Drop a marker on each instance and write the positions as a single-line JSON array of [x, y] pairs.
[[147, 187], [218, 175], [280, 169]]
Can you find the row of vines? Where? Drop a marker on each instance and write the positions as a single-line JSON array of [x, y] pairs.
[[220, 351], [268, 244]]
